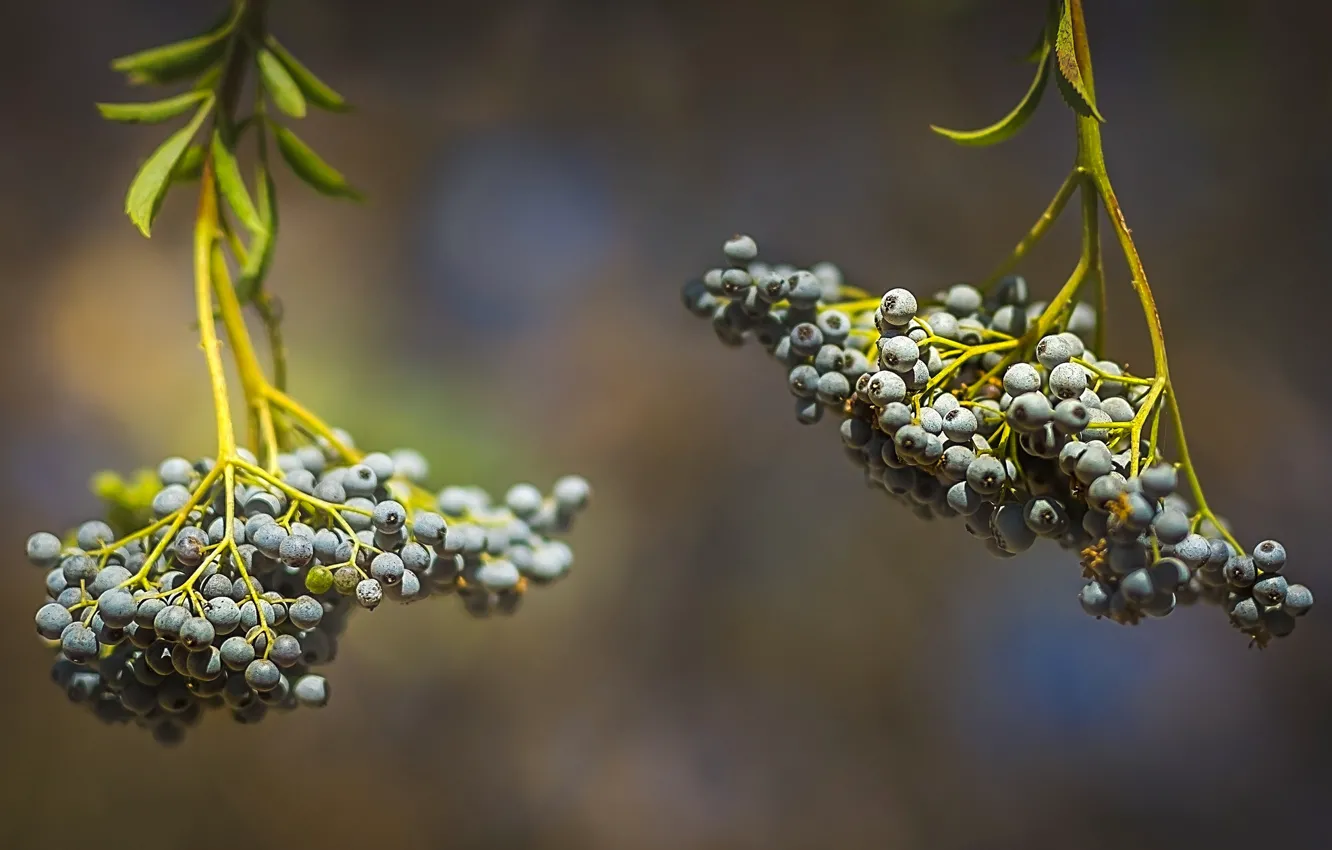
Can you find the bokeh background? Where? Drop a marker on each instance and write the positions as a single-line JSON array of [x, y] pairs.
[[755, 650]]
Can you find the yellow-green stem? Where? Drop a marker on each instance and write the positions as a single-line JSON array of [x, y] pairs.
[[1091, 158], [205, 233]]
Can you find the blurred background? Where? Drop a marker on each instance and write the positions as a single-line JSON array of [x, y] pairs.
[[754, 650]]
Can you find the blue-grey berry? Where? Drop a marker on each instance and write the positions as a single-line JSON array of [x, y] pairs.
[[571, 493], [305, 612], [169, 499], [806, 339], [387, 568], [1010, 529], [1270, 590], [117, 608], [808, 411], [1046, 516], [262, 674], [79, 643], [55, 582], [1240, 572], [169, 620], [986, 475], [175, 470], [43, 550], [236, 652], [93, 534], [894, 416], [1269, 556], [497, 575], [1094, 462], [52, 618], [1298, 601], [109, 578], [1067, 381], [898, 307], [311, 690], [1194, 549], [1095, 599], [1029, 412], [834, 325], [296, 552], [286, 651], [77, 568], [331, 490], [389, 517], [1070, 416], [269, 538], [898, 354], [1171, 526], [829, 359], [1168, 574], [962, 299], [1246, 614], [265, 502], [1021, 378], [959, 424], [196, 633], [223, 613], [833, 389], [1051, 351], [1137, 587], [360, 480], [962, 498]]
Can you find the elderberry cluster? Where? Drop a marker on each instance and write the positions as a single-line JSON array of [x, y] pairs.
[[229, 600], [991, 407]]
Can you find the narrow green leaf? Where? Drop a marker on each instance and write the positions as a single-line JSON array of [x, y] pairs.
[[153, 112], [150, 184], [179, 60], [1007, 126], [310, 168], [315, 90], [261, 247], [231, 183], [280, 86], [1069, 78], [189, 166]]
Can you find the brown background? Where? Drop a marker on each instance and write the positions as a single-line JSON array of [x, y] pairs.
[[754, 651]]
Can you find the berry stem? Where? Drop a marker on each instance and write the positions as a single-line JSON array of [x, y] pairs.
[[1091, 159], [205, 231]]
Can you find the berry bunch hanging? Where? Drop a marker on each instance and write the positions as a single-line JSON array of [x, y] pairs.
[[981, 403], [222, 582]]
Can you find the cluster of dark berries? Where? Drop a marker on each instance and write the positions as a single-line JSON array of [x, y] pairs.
[[991, 407], [228, 596]]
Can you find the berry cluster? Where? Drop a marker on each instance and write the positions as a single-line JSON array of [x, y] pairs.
[[229, 599], [992, 407]]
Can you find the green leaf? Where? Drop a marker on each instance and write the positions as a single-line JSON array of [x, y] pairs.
[[1069, 78], [1007, 126], [261, 247], [281, 87], [150, 185], [153, 112], [315, 90], [231, 183], [189, 166], [310, 168], [179, 60]]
